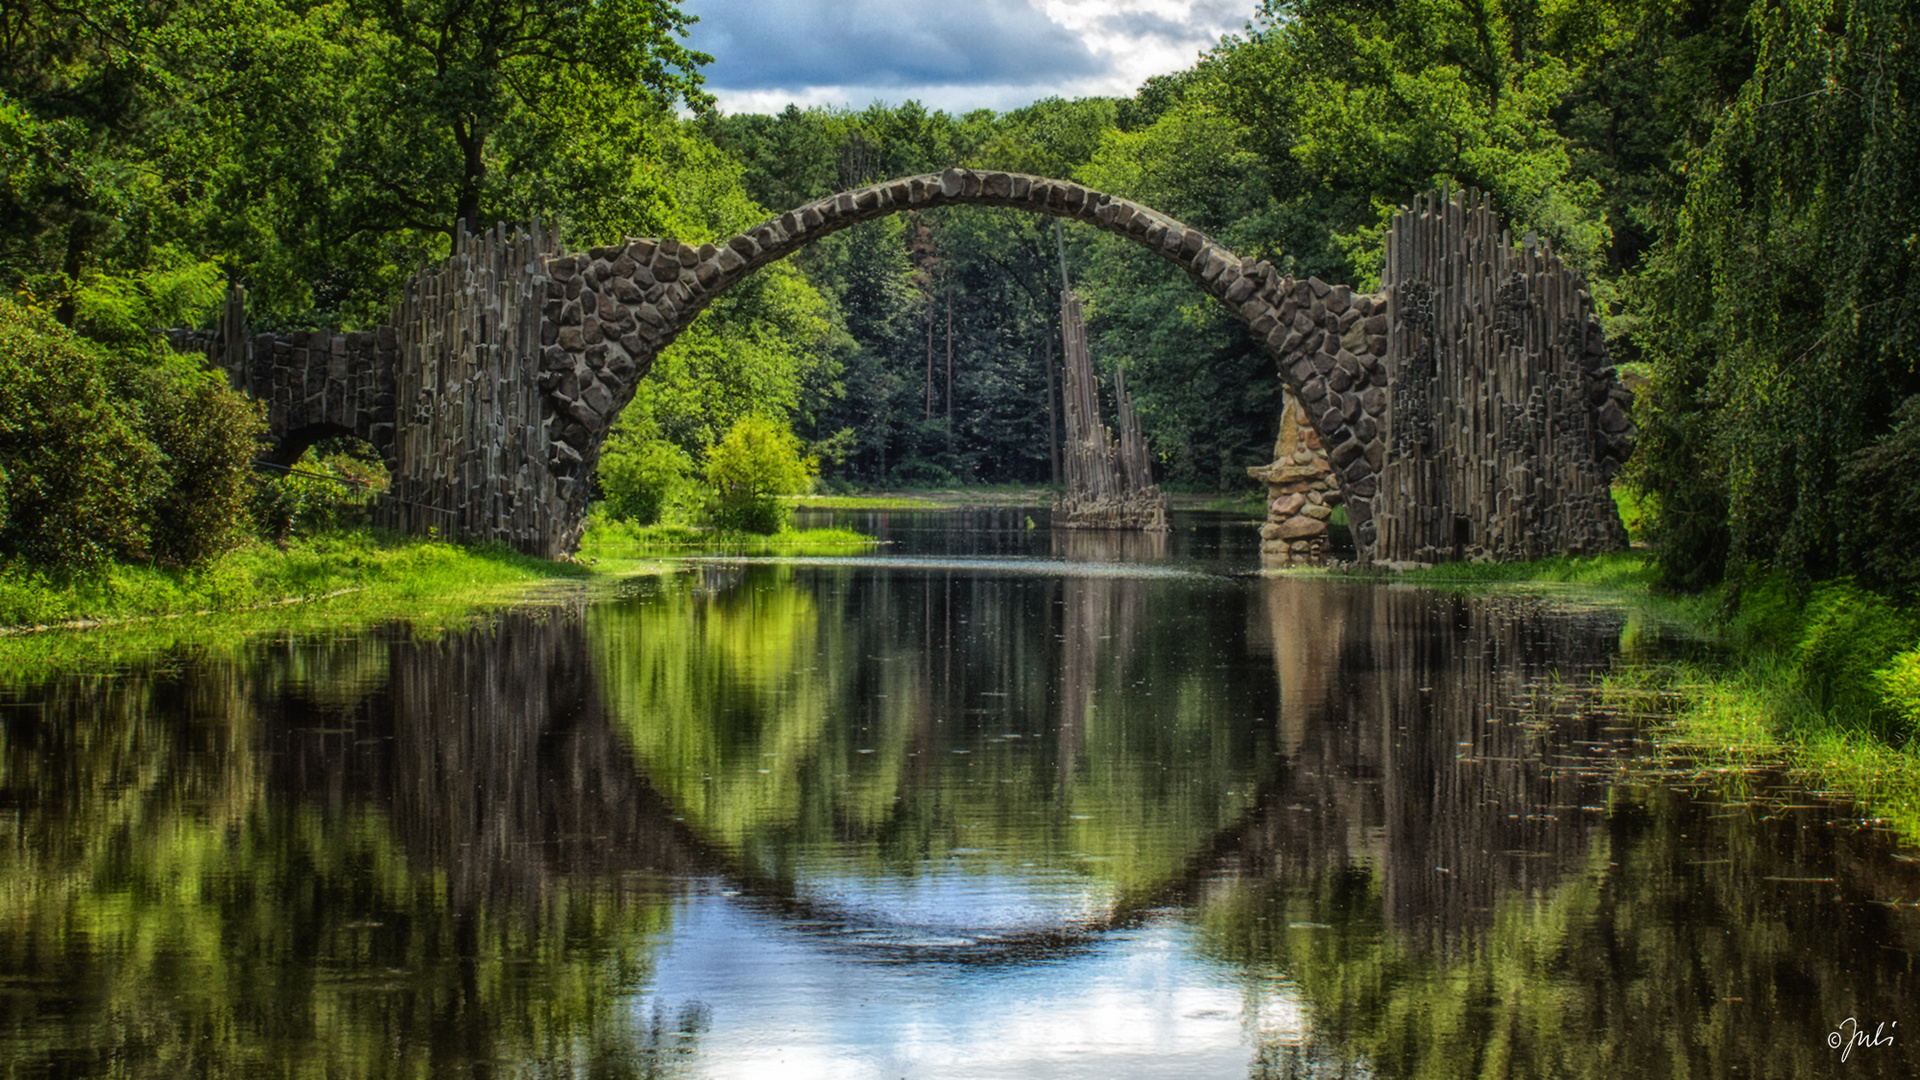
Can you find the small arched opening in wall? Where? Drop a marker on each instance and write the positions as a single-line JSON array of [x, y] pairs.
[[605, 314], [318, 477]]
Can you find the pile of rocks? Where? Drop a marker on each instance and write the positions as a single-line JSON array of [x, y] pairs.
[[1301, 493]]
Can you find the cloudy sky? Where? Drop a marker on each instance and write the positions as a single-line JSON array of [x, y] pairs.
[[956, 56]]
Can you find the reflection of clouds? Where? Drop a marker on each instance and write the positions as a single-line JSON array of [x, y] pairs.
[[1138, 1002], [955, 903]]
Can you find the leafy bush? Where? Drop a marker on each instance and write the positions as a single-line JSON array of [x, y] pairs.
[[139, 455], [79, 473], [1900, 688], [1848, 637], [209, 435], [749, 469], [642, 480]]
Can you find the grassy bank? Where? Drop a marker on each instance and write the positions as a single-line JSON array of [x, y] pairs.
[[317, 585], [1825, 680], [878, 501], [261, 575], [612, 545], [324, 584]]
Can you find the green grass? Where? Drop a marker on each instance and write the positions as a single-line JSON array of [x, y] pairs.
[[260, 575], [611, 544], [317, 585], [1252, 504]]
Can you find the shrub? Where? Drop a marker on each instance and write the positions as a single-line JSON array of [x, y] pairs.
[[1848, 637], [209, 435], [1900, 688], [749, 469], [642, 480], [80, 474]]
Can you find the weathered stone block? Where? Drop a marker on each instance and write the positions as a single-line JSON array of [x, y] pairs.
[[1296, 528], [1286, 504]]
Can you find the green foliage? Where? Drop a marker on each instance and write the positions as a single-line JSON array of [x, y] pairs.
[[373, 577], [1883, 489], [1847, 634], [643, 479], [757, 462], [1780, 308], [1900, 689], [208, 436], [79, 473], [139, 457]]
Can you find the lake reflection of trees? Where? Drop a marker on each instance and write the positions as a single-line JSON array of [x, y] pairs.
[[360, 856], [378, 854], [1463, 883], [1023, 720]]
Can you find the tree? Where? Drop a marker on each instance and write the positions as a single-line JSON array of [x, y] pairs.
[[1782, 311], [757, 461]]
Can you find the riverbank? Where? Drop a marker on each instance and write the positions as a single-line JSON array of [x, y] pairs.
[[262, 575], [1825, 682], [347, 578]]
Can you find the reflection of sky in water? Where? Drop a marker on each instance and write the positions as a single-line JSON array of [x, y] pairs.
[[951, 903], [784, 1000]]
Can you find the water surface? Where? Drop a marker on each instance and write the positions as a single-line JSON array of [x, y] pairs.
[[1001, 804]]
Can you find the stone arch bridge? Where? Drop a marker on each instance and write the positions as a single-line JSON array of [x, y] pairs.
[[1467, 410]]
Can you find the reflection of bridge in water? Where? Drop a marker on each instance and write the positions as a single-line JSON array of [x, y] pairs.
[[503, 766]]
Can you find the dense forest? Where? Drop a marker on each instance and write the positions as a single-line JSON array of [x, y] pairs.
[[1740, 183]]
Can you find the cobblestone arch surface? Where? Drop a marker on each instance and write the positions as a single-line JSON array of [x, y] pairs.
[[609, 311]]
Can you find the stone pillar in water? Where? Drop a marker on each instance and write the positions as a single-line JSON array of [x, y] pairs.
[[1301, 493]]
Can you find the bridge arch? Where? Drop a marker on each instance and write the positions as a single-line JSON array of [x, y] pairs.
[[608, 312], [1469, 410]]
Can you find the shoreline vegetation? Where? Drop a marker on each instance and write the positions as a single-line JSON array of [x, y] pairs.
[[327, 583]]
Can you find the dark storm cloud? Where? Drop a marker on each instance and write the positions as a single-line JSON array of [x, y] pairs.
[[760, 45]]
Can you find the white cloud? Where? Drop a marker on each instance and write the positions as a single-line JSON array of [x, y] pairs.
[[994, 54]]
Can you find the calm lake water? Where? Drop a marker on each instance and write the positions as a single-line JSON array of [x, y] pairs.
[[990, 803]]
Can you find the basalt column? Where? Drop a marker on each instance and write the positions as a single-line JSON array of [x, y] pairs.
[[1107, 485], [1506, 421], [472, 440]]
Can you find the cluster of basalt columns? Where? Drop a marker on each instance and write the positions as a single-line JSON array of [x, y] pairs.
[[513, 361]]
